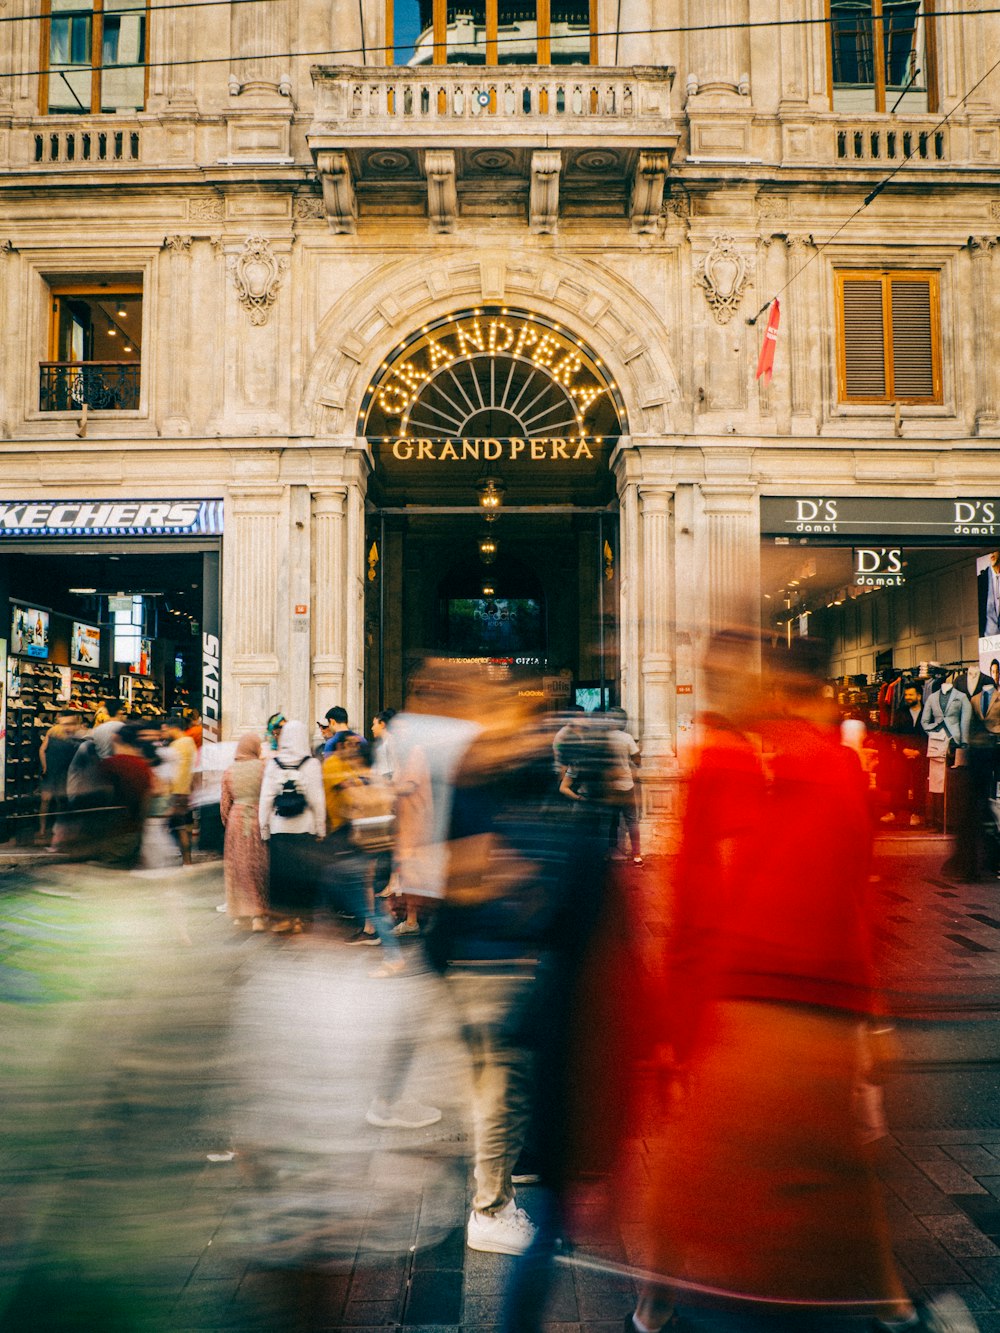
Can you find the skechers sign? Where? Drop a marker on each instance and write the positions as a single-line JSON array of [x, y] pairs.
[[801, 517], [878, 567], [110, 518]]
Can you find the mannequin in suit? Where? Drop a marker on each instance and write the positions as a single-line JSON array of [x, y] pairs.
[[910, 745], [988, 588]]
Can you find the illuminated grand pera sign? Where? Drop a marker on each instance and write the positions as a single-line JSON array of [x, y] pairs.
[[492, 384]]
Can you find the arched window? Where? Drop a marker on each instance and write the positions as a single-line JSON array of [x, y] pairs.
[[491, 32]]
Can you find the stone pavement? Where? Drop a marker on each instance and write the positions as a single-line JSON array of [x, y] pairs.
[[185, 1147]]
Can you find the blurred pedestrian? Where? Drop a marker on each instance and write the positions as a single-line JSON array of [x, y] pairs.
[[762, 1186], [244, 853], [184, 754], [56, 753], [625, 758], [128, 773], [292, 816], [274, 724]]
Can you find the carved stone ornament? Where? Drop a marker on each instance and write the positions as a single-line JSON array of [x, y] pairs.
[[724, 276], [309, 206], [177, 244], [257, 274], [995, 210], [6, 245], [208, 208]]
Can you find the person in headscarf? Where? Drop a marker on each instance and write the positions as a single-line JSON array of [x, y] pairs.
[[244, 853], [292, 815]]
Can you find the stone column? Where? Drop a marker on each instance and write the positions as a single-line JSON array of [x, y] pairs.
[[719, 56], [255, 583], [10, 336], [984, 316], [171, 40], [657, 632], [772, 270], [629, 589], [732, 525]]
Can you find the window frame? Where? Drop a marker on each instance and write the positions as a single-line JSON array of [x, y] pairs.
[[543, 20], [886, 276], [927, 16], [97, 67]]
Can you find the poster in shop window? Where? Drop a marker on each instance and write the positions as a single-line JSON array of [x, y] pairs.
[[988, 596]]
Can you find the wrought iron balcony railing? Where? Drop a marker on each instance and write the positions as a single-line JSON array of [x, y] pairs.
[[104, 386]]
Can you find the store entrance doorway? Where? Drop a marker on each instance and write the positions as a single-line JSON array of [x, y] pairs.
[[492, 527]]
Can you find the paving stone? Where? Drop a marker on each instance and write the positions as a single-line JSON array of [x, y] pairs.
[[924, 1153], [986, 1275], [951, 1178], [434, 1297], [984, 1211], [945, 1136], [930, 1262], [960, 1236], [975, 1158], [383, 1281], [922, 1197]]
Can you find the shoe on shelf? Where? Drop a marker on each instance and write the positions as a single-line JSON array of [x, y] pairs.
[[364, 937], [401, 1115], [406, 928], [510, 1231]]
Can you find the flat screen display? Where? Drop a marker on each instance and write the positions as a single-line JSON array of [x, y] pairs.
[[141, 665], [85, 646], [494, 626], [29, 632]]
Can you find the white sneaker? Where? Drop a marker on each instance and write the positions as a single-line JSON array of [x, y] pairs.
[[406, 928], [510, 1231], [401, 1115], [947, 1314]]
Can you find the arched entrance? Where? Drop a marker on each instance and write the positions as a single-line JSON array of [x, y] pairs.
[[492, 528]]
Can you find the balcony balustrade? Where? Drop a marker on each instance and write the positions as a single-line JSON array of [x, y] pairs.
[[103, 386]]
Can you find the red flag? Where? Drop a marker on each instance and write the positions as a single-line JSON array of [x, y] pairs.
[[765, 365]]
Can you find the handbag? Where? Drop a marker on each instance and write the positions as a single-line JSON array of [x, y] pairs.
[[371, 809]]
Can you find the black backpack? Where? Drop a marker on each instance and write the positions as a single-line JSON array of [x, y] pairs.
[[290, 801]]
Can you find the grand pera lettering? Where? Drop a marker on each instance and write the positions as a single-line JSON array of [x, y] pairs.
[[544, 448], [513, 336]]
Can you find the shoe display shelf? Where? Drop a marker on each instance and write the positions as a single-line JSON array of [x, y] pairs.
[[31, 711]]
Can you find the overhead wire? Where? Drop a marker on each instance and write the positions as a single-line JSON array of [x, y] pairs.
[[823, 21], [870, 196]]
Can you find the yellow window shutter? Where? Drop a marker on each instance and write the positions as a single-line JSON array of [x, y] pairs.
[[912, 338], [864, 338]]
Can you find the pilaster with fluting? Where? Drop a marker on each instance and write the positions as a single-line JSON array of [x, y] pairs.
[[252, 577], [982, 249], [803, 332], [329, 599], [657, 631], [260, 35], [733, 547], [718, 55]]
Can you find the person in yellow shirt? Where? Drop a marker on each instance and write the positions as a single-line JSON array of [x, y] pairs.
[[183, 755]]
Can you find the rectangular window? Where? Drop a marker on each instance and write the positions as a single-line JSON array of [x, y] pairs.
[[93, 56], [95, 349], [491, 32], [882, 55], [889, 337]]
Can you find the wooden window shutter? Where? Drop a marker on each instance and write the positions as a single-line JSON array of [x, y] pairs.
[[912, 339], [863, 338]]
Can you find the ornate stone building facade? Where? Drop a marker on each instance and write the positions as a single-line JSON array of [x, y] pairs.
[[290, 209]]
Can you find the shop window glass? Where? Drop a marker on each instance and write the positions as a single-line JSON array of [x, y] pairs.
[[95, 348], [129, 624], [882, 55], [93, 56], [889, 347], [490, 32]]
